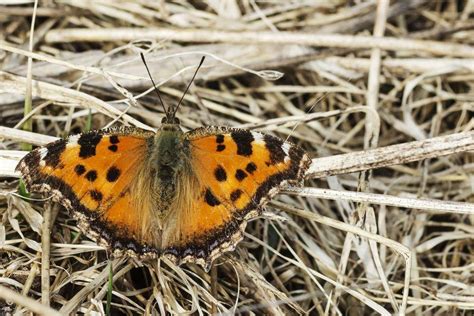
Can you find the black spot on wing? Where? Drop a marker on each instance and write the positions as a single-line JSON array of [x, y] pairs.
[[113, 148], [96, 195], [220, 147], [235, 195], [240, 174], [114, 139], [91, 175], [79, 169], [88, 143], [251, 167], [211, 199], [55, 150], [243, 140], [113, 174], [116, 236], [220, 174], [219, 138], [294, 174], [274, 146]]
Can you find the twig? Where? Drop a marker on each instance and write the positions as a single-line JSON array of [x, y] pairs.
[[214, 287], [359, 22], [413, 65], [29, 281], [60, 62], [26, 137], [9, 295], [45, 254], [438, 206], [371, 133], [28, 125], [392, 155], [212, 36], [13, 84]]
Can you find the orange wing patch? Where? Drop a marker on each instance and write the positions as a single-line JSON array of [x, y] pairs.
[[238, 171], [90, 174]]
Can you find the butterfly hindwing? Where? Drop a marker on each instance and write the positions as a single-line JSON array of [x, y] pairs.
[[238, 171], [90, 174]]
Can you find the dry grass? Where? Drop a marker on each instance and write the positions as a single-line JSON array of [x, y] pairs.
[[375, 231]]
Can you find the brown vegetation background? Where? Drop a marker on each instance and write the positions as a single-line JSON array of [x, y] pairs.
[[336, 77]]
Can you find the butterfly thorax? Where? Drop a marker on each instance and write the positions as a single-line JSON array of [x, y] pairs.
[[168, 160]]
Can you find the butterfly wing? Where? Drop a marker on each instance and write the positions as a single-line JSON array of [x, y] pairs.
[[91, 175], [238, 172]]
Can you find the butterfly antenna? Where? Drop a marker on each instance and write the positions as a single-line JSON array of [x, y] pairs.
[[189, 84], [316, 103], [154, 85]]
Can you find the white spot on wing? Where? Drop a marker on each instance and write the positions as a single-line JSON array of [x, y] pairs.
[[72, 140], [43, 152], [286, 148], [258, 138]]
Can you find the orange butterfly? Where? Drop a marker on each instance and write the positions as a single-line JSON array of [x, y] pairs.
[[187, 196]]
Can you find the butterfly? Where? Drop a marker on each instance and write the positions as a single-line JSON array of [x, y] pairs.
[[186, 196]]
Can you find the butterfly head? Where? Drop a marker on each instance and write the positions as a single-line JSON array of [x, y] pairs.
[[170, 125], [170, 120]]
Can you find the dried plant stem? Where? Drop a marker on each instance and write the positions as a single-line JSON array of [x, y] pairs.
[[398, 247], [28, 283], [45, 254], [392, 155], [371, 139], [372, 135], [213, 36], [12, 84], [358, 22], [214, 289], [99, 279], [383, 199], [11, 296], [24, 136], [414, 65], [28, 125], [55, 61], [31, 278]]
